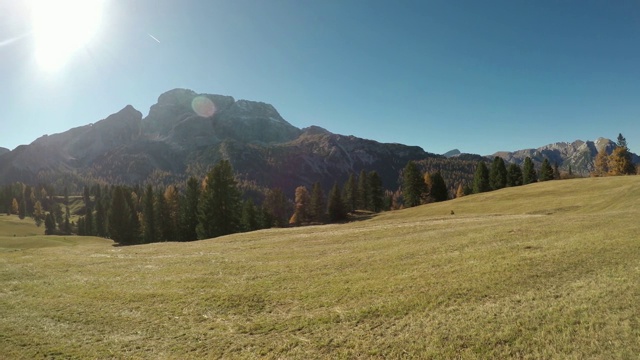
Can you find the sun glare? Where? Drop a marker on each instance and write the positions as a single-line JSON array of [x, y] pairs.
[[62, 27]]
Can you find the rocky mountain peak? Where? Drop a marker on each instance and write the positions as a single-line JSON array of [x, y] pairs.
[[4, 150], [452, 153]]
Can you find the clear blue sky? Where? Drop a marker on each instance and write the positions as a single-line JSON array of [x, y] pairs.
[[481, 76]]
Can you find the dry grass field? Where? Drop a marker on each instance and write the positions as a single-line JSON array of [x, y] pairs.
[[544, 271]]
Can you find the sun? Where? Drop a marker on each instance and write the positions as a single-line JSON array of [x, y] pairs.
[[62, 27]]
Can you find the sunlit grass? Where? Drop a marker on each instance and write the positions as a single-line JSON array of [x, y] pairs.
[[548, 270]]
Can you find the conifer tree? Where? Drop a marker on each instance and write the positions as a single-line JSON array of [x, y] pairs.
[[350, 193], [318, 204], [219, 208], [335, 207], [528, 172], [149, 229], [546, 171], [439, 191], [498, 174], [101, 217], [460, 191], [249, 221], [481, 179], [15, 208], [363, 191], [38, 214], [88, 223], [49, 224], [514, 175], [601, 164], [22, 209], [172, 199], [376, 192], [120, 218], [302, 210], [413, 186], [275, 209], [556, 171], [67, 224], [620, 162], [189, 213], [163, 219]]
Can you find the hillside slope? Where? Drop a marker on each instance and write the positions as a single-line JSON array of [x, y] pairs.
[[548, 270]]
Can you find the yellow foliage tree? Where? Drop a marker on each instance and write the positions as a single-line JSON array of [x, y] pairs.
[[620, 162], [601, 164]]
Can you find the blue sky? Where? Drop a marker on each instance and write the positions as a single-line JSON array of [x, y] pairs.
[[481, 76]]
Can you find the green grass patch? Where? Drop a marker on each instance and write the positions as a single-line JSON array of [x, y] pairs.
[[545, 271]]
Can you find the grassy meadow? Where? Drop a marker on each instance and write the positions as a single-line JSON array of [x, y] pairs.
[[543, 271]]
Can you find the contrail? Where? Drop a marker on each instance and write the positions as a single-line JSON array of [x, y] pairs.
[[154, 38], [14, 39]]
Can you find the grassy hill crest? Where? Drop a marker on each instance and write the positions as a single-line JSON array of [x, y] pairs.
[[548, 270]]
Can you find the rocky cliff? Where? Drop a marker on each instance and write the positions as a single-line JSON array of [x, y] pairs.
[[186, 133]]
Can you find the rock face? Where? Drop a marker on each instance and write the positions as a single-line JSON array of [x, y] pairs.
[[4, 150], [579, 155], [186, 133], [452, 153]]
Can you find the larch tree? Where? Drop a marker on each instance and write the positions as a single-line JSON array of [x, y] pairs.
[[275, 209], [620, 162], [38, 214], [15, 208], [601, 164], [302, 212], [460, 191]]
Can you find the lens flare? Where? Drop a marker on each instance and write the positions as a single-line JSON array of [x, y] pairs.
[[203, 106]]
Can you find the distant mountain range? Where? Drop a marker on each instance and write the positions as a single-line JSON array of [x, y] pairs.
[[174, 142]]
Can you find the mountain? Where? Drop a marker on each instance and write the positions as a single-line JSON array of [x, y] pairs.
[[451, 153], [579, 155], [186, 133], [4, 150]]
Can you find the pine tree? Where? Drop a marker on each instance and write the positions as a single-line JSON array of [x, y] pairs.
[[275, 209], [413, 186], [88, 223], [163, 220], [220, 206], [49, 224], [172, 199], [101, 217], [376, 192], [481, 179], [498, 174], [439, 191], [350, 193], [318, 204], [301, 214], [149, 229], [22, 209], [556, 171], [189, 213], [546, 171], [528, 172], [249, 221], [622, 142], [120, 218], [135, 229], [363, 200], [514, 175], [67, 224], [335, 208]]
